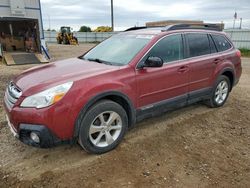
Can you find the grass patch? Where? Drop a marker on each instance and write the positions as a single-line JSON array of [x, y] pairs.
[[245, 52]]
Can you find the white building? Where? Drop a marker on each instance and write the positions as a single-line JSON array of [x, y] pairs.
[[21, 29]]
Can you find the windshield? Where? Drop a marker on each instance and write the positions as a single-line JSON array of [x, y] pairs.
[[118, 50]]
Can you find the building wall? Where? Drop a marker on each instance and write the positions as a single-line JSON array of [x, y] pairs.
[[32, 10], [171, 22]]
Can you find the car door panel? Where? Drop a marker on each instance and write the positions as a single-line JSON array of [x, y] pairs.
[[158, 84], [166, 82], [201, 70], [201, 62]]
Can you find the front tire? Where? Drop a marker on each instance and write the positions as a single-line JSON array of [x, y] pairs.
[[103, 127], [220, 92]]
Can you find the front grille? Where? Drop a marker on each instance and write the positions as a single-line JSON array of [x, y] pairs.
[[12, 94]]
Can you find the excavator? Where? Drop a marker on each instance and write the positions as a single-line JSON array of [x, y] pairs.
[[65, 36]]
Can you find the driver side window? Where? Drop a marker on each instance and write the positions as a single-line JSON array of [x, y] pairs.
[[168, 49]]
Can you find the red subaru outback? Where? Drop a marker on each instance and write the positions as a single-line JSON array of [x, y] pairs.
[[95, 98]]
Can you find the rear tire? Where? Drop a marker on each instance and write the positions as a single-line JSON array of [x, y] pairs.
[[220, 92], [103, 127]]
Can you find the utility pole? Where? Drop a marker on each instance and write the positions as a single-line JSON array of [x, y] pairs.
[[112, 15], [235, 17], [240, 23], [49, 28]]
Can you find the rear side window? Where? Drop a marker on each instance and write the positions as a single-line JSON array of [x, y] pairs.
[[221, 43], [169, 48], [198, 44]]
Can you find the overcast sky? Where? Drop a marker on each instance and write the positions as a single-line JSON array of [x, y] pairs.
[[127, 13]]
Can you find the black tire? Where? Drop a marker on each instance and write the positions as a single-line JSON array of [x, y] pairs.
[[65, 41], [91, 115], [212, 101]]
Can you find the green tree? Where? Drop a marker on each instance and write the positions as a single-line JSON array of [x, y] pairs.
[[85, 29], [103, 29]]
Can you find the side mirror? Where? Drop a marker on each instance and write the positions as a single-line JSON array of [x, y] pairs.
[[153, 62]]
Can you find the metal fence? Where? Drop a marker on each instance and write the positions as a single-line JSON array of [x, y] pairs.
[[81, 36], [240, 37]]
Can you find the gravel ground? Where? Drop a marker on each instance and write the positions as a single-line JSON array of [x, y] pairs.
[[195, 146]]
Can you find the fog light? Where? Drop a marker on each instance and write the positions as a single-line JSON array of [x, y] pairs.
[[35, 137]]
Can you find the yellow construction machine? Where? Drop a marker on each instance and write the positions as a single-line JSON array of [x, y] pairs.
[[65, 36]]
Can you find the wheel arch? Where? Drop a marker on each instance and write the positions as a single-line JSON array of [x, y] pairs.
[[115, 96], [228, 72]]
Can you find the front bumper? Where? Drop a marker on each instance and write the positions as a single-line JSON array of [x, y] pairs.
[[47, 139], [12, 129], [23, 130], [53, 124]]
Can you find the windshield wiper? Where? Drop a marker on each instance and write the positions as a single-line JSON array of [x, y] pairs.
[[99, 61]]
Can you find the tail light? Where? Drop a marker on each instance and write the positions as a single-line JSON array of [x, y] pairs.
[[238, 53]]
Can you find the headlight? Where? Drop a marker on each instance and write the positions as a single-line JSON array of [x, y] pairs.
[[47, 97]]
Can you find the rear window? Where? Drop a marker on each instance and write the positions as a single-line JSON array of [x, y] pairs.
[[221, 43], [198, 44]]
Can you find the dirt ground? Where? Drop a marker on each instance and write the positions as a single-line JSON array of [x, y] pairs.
[[194, 146]]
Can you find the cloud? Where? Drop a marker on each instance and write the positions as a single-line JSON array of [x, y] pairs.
[[93, 13]]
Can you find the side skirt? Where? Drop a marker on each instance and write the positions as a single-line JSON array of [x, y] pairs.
[[199, 95], [161, 107]]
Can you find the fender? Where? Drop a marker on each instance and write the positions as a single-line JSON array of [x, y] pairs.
[[93, 100], [229, 70], [225, 67]]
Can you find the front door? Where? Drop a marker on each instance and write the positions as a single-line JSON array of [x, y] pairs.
[[167, 82]]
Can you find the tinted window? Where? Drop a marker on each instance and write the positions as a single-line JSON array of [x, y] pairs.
[[221, 43], [198, 44], [169, 49], [212, 45]]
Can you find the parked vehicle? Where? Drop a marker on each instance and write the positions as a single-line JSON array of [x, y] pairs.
[[96, 98], [65, 36]]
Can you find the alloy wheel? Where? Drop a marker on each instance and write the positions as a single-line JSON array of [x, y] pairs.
[[105, 129], [221, 92]]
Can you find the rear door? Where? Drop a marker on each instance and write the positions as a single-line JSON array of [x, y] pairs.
[[167, 82], [201, 54]]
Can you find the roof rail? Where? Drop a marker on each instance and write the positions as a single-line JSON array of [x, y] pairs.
[[135, 28], [213, 27]]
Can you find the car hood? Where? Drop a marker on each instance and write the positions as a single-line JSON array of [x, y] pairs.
[[43, 77]]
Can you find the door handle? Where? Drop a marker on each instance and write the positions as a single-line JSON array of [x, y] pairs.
[[183, 69], [217, 61]]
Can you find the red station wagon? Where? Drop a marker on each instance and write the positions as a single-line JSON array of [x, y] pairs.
[[95, 98]]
